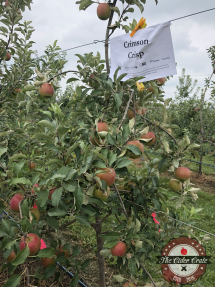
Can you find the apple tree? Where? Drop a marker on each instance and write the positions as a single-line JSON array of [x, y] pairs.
[[78, 159]]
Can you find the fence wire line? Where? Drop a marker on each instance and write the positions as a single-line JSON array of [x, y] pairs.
[[102, 41], [185, 159], [161, 212]]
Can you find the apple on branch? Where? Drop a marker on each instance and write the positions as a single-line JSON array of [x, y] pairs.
[[46, 90], [15, 200], [103, 11], [32, 241], [109, 175], [137, 144], [182, 173], [119, 249]]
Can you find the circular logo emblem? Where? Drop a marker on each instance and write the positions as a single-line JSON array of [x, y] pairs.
[[183, 260]]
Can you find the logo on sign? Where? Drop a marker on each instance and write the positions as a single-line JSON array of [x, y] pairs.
[[183, 260]]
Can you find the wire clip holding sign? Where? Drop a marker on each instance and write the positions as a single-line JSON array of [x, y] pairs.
[[140, 25]]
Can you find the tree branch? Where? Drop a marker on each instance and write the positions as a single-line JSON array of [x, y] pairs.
[[153, 282], [126, 109], [61, 227], [120, 200]]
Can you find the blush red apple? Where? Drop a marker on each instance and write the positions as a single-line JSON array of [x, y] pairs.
[[32, 241]]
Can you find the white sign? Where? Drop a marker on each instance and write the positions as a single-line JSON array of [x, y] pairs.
[[149, 53]]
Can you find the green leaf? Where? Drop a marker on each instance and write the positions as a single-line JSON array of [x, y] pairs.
[[49, 271], [57, 212], [71, 80], [72, 148], [13, 281], [42, 197], [111, 140], [123, 162], [2, 151], [79, 198], [87, 209], [83, 220], [121, 77], [56, 196], [51, 221], [118, 99], [21, 256], [47, 124], [74, 281], [119, 278], [132, 266], [54, 161], [21, 180], [61, 172], [29, 88], [134, 149], [46, 252], [2, 134], [16, 156]]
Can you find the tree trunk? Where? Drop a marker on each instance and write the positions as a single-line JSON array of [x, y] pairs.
[[101, 263]]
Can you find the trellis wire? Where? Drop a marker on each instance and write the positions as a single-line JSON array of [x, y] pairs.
[[171, 217]]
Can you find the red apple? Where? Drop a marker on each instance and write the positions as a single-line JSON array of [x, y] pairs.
[[183, 251], [11, 256], [182, 173], [175, 185], [161, 81], [46, 261], [46, 90], [103, 11], [149, 135], [15, 200], [108, 176], [150, 89], [101, 127], [100, 194], [36, 185], [32, 165], [119, 249], [32, 241], [137, 144], [8, 57], [36, 212], [129, 284], [50, 193], [7, 3], [140, 111]]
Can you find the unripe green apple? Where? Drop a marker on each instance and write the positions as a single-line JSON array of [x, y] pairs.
[[175, 185], [99, 193]]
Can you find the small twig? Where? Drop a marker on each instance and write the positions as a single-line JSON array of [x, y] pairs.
[[153, 282], [120, 200], [148, 121], [209, 142], [125, 113], [105, 217], [118, 218], [61, 227]]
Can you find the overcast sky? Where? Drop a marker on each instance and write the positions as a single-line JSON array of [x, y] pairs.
[[62, 20]]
